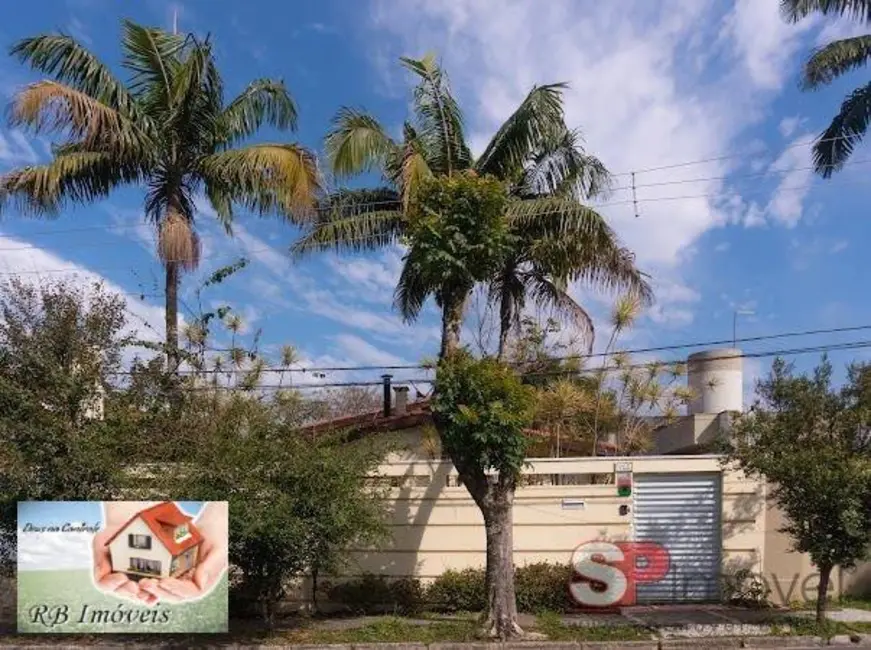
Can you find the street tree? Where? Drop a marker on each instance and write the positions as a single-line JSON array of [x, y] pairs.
[[558, 239], [811, 443]]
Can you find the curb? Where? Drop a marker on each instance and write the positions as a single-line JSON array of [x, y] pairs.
[[703, 643]]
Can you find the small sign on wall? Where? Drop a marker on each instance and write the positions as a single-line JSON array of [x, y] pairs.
[[623, 479]]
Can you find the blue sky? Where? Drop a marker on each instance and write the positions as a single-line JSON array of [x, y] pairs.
[[655, 84]]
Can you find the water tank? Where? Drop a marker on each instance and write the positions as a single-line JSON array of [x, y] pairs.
[[715, 377]]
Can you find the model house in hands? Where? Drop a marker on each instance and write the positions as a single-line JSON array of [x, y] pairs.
[[158, 542]]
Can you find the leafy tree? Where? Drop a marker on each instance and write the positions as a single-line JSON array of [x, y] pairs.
[[59, 345], [168, 128], [812, 443], [481, 409], [540, 160], [297, 505], [457, 235], [835, 145]]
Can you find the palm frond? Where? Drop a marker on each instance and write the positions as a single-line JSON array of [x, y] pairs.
[[565, 239], [52, 106], [548, 292], [831, 61], [151, 55], [62, 57], [412, 289], [267, 178], [795, 10], [264, 101], [413, 172], [847, 129], [195, 100], [80, 177], [440, 121], [562, 168], [357, 143], [221, 199], [539, 115], [354, 220]]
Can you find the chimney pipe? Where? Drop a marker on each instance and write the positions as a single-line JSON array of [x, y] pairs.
[[401, 404], [386, 380]]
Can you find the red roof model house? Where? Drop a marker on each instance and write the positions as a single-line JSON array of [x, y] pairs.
[[158, 542]]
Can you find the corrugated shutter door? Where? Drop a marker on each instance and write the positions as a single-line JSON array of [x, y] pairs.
[[680, 512]]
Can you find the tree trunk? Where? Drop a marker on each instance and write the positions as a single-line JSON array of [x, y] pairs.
[[501, 622], [504, 326], [172, 277], [823, 593], [452, 321]]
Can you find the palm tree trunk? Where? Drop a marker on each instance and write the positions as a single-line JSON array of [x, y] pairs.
[[171, 315], [504, 326], [452, 322]]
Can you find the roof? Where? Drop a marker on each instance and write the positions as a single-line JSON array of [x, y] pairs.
[[162, 520], [416, 414]]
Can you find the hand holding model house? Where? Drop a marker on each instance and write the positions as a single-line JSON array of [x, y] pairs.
[[154, 552]]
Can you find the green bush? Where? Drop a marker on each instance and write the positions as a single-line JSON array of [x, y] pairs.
[[372, 594], [458, 591], [543, 587]]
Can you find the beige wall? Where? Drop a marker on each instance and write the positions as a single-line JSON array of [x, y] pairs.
[[436, 526]]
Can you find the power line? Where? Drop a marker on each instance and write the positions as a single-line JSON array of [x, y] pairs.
[[372, 204], [593, 355], [701, 161], [267, 249], [831, 347], [731, 177], [853, 345]]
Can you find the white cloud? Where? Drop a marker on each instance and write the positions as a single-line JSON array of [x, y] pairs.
[[839, 246], [54, 550], [722, 247], [371, 278], [631, 91], [15, 149], [37, 264], [766, 42], [364, 353], [788, 125], [794, 167]]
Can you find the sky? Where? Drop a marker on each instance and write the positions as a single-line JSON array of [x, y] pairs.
[[709, 90], [43, 550]]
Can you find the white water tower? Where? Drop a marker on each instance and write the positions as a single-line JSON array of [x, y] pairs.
[[716, 379]]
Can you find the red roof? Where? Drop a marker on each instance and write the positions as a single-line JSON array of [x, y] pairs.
[[163, 519], [416, 414]]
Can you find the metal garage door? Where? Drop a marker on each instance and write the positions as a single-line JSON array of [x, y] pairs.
[[680, 512]]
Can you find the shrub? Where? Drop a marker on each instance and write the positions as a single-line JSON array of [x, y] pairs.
[[372, 594], [543, 587], [458, 591], [745, 588]]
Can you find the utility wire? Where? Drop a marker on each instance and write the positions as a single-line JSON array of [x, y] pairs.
[[328, 209], [593, 355], [831, 347], [254, 251]]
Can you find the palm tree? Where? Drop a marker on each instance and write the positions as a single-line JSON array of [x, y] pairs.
[[169, 129], [558, 239], [835, 145]]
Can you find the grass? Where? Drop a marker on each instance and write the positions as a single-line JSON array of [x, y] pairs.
[[551, 624]]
